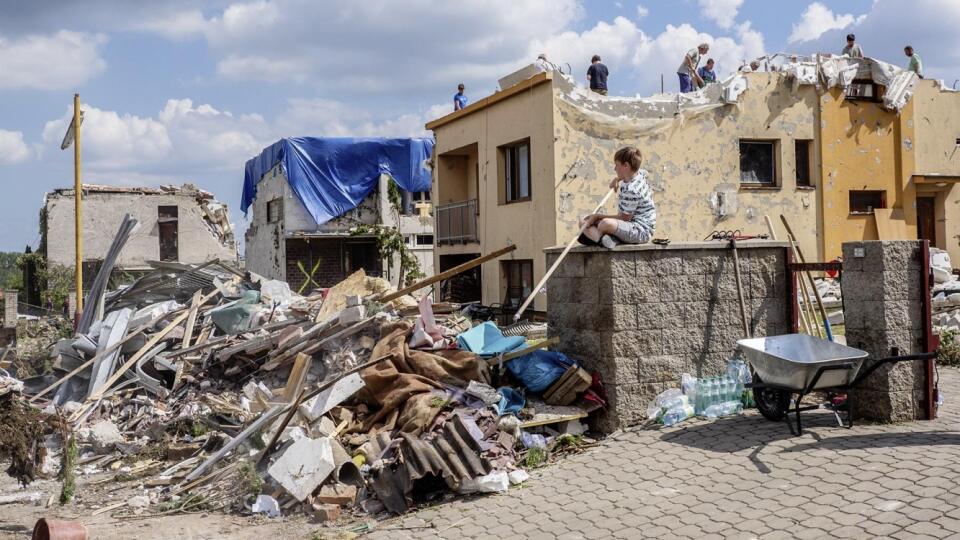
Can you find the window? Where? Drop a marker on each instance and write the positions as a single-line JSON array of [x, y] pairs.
[[758, 163], [863, 202], [516, 171], [167, 224], [864, 89], [409, 200], [519, 276], [802, 151], [424, 240], [274, 210]]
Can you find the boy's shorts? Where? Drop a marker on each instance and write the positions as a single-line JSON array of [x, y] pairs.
[[632, 233]]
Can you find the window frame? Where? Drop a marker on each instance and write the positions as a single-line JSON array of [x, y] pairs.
[[277, 204], [509, 164], [808, 159], [875, 89], [168, 220], [865, 210], [519, 268], [774, 145]]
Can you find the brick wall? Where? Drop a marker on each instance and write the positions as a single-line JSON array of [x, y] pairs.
[[883, 315], [338, 258], [644, 315]]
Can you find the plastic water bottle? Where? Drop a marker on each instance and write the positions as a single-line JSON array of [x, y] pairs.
[[677, 415]]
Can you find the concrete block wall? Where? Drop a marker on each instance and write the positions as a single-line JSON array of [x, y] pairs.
[[10, 308], [643, 315], [883, 312]]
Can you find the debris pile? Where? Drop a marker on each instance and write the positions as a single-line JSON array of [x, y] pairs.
[[210, 389], [946, 292]]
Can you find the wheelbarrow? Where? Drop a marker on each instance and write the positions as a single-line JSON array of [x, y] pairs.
[[798, 364]]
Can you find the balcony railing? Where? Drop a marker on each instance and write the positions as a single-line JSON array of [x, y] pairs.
[[457, 223]]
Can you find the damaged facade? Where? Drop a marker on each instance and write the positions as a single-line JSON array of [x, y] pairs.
[[285, 242], [825, 142], [183, 224]]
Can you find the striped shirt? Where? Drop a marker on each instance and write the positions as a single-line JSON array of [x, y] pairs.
[[636, 198]]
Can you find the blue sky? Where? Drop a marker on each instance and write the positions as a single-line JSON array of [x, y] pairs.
[[181, 91]]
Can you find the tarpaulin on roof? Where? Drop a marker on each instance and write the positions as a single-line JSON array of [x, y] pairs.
[[332, 176]]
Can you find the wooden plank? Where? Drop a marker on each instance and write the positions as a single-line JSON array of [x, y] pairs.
[[151, 343], [191, 320], [890, 224], [446, 275], [301, 365], [547, 418]]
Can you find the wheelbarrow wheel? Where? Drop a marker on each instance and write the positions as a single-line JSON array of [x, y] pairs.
[[772, 403]]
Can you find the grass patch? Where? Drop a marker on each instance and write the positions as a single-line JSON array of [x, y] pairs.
[[535, 457], [250, 481], [68, 467], [948, 353]]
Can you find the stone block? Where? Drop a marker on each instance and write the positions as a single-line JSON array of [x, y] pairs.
[[859, 286], [707, 364], [658, 315], [900, 254], [683, 339], [613, 369], [902, 314], [573, 265], [666, 263], [598, 317], [637, 343], [723, 286], [627, 405], [704, 261], [662, 368], [584, 290], [614, 264], [584, 344], [625, 317], [722, 339], [683, 288], [886, 406], [710, 313], [767, 284], [767, 312], [559, 290], [636, 290]]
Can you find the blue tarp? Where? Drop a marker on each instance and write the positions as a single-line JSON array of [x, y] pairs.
[[332, 176]]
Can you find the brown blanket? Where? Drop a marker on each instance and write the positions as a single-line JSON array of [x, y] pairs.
[[403, 385]]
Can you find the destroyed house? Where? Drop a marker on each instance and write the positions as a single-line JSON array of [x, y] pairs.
[[315, 203], [179, 224], [847, 149]]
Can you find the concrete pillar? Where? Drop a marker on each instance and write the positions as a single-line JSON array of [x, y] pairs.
[[883, 313], [9, 308]]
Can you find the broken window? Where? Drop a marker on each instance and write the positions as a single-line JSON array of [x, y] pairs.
[[864, 202], [519, 275], [758, 163], [274, 210], [863, 89], [516, 171], [167, 223], [803, 159]]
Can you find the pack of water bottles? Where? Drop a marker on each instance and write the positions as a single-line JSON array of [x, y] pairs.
[[719, 396]]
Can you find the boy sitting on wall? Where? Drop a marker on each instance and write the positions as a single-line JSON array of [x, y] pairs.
[[637, 217]]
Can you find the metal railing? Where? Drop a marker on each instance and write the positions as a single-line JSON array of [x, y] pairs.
[[457, 223]]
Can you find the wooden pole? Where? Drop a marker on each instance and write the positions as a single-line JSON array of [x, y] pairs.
[[816, 292], [740, 296], [446, 275], [556, 263], [77, 207], [805, 305]]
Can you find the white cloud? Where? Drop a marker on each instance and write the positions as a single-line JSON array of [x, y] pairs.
[[177, 25], [13, 149], [111, 140], [722, 12], [642, 11], [614, 42], [50, 62], [328, 118], [816, 20]]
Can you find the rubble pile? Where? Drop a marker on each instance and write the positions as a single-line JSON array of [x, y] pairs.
[[946, 292], [209, 388]]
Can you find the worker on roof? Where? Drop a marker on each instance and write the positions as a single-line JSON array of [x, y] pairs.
[[853, 49], [597, 75], [636, 216], [687, 72], [707, 74], [459, 99], [915, 65], [542, 64]]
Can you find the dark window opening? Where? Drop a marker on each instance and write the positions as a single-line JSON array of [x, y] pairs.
[[802, 151], [409, 200], [758, 163], [864, 89], [519, 276], [424, 240], [516, 171], [167, 223], [864, 202], [274, 210]]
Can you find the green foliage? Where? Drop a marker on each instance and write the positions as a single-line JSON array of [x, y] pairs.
[[389, 243], [250, 481], [11, 277], [68, 466], [56, 281], [948, 353]]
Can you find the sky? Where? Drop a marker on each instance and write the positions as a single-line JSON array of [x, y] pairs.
[[187, 91]]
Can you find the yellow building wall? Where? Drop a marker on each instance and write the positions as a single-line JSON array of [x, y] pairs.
[[693, 158], [936, 124], [530, 225], [864, 147]]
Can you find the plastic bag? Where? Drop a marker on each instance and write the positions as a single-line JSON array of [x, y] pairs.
[[655, 408], [539, 369]]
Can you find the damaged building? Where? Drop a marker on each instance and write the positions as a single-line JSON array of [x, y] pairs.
[[315, 206], [848, 149], [182, 224]]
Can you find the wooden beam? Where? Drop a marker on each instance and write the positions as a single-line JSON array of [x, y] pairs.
[[446, 275], [191, 320]]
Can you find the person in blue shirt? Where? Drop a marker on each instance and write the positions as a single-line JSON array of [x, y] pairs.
[[597, 74], [459, 99], [707, 74]]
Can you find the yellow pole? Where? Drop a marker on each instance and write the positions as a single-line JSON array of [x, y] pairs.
[[78, 205]]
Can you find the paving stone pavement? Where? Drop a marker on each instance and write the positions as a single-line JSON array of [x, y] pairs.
[[742, 477]]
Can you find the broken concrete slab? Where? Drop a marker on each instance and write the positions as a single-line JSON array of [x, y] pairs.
[[338, 494], [352, 315], [318, 405], [303, 467], [103, 436]]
